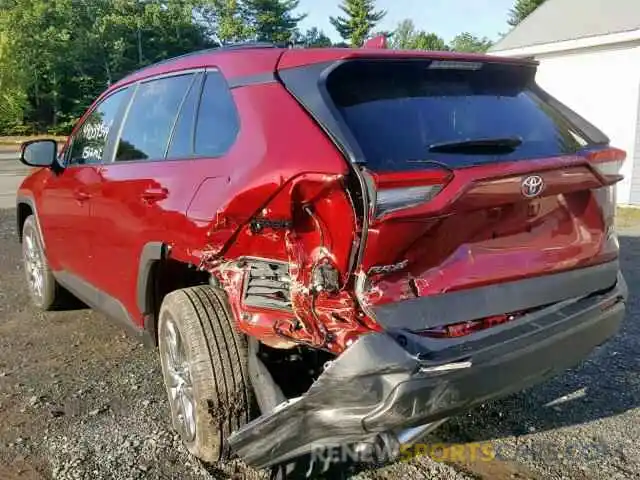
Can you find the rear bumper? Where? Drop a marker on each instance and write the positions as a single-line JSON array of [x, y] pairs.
[[386, 382]]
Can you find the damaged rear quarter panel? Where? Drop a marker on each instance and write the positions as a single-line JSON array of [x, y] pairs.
[[282, 198], [320, 231]]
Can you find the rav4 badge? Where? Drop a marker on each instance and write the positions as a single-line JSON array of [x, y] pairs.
[[396, 267]]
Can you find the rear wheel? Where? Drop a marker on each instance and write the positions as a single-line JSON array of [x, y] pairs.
[[204, 362], [43, 288]]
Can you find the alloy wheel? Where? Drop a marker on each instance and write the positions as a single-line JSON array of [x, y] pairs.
[[179, 383], [33, 263]]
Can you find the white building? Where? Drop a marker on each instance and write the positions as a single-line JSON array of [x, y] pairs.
[[589, 54]]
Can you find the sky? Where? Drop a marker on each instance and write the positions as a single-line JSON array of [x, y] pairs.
[[447, 18]]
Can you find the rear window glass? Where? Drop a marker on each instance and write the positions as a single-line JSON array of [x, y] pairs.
[[218, 123], [151, 117], [397, 110], [182, 137]]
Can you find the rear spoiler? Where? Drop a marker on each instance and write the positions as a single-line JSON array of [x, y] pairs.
[[374, 49], [379, 42]]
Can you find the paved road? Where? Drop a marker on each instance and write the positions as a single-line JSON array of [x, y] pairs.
[[12, 172], [8, 157]]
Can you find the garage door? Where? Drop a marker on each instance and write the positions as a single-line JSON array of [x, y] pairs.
[[634, 198]]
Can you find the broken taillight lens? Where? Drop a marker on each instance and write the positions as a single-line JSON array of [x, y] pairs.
[[462, 329]]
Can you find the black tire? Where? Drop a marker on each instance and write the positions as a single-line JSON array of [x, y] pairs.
[[292, 470], [216, 356], [303, 468], [49, 294]]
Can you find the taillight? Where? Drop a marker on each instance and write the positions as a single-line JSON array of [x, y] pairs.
[[608, 162], [406, 190], [393, 199]]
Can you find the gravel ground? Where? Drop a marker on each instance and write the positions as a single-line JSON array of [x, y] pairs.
[[81, 400]]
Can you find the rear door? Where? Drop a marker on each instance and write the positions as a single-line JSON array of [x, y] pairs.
[[171, 141], [140, 193], [472, 174]]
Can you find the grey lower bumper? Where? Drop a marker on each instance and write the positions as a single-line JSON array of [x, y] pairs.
[[460, 306], [396, 380]]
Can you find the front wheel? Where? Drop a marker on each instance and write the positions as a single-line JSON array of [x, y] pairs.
[[43, 288], [204, 363]]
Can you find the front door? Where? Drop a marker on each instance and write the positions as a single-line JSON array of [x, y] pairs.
[[67, 198]]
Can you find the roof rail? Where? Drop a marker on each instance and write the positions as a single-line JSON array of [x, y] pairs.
[[224, 47], [249, 45]]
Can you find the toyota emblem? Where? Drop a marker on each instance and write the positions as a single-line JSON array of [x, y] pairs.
[[532, 186]]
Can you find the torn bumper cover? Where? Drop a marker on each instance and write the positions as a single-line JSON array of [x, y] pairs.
[[387, 382]]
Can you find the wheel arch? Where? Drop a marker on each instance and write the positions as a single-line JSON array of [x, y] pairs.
[[152, 254], [158, 275], [25, 207]]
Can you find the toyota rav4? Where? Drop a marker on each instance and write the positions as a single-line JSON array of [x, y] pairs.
[[331, 245]]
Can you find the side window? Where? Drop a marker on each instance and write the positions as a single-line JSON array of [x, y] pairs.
[[88, 143], [153, 112], [218, 123], [182, 136]]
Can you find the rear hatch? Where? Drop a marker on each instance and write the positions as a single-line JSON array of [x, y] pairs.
[[467, 173]]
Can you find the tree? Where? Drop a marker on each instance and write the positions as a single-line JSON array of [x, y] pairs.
[[403, 36], [40, 33], [63, 53], [466, 42], [226, 20], [57, 56], [406, 37], [273, 20], [429, 41], [314, 38], [13, 96], [360, 19], [522, 9]]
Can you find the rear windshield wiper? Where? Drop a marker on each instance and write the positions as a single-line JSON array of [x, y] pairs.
[[478, 145]]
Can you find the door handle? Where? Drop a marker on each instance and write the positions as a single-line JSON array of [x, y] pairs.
[[151, 195], [81, 195]]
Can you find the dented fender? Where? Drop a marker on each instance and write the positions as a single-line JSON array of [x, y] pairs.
[[286, 273]]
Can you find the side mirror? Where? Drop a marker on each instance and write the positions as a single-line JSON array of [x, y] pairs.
[[39, 153]]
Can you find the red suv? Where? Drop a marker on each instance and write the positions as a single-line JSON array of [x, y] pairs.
[[331, 245]]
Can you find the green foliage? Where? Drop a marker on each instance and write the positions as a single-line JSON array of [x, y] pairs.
[[466, 42], [429, 41], [63, 53], [359, 21], [13, 97], [57, 56], [314, 38], [406, 37], [522, 9], [227, 20], [403, 37], [273, 20]]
